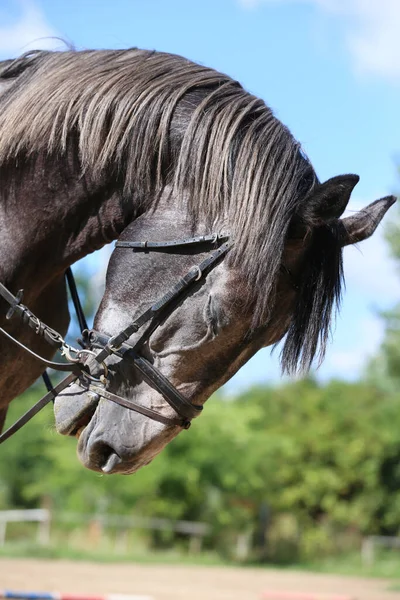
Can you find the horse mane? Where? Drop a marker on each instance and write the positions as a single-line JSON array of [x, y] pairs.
[[154, 119]]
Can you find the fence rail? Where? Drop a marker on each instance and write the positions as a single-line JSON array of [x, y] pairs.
[[137, 522], [369, 544], [42, 516], [195, 530]]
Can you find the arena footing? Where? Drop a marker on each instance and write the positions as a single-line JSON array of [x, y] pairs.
[[30, 595]]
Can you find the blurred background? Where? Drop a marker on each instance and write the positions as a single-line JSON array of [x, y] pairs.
[[302, 472]]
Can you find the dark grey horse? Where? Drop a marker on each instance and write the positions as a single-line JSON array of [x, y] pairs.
[[101, 145]]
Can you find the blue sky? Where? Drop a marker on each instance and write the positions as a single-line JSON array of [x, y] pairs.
[[329, 68]]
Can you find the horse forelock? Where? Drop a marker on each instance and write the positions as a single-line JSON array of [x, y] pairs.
[[318, 298], [156, 119]]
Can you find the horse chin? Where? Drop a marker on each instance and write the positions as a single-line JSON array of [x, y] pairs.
[[99, 451], [97, 454]]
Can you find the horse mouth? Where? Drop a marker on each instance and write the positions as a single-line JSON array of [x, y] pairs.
[[75, 412], [83, 422], [108, 441], [74, 409]]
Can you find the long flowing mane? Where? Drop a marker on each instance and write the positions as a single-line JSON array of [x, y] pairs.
[[155, 119]]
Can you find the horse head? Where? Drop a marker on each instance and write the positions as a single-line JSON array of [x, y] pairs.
[[148, 146], [211, 330]]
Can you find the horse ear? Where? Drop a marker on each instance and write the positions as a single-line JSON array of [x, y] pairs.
[[329, 200], [362, 224]]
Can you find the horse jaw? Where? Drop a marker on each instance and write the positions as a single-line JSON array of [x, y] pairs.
[[112, 439]]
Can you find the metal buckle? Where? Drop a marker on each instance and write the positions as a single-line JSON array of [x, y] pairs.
[[103, 376], [37, 323], [199, 273]]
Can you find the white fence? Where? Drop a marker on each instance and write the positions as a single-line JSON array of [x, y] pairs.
[[123, 523], [370, 543], [42, 516]]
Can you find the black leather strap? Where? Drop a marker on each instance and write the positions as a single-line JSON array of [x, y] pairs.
[[157, 380], [143, 410], [151, 375], [80, 315], [73, 367], [16, 308], [146, 245], [160, 309], [183, 284], [37, 407], [117, 344]]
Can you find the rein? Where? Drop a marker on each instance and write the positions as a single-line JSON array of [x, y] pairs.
[[98, 347], [51, 336]]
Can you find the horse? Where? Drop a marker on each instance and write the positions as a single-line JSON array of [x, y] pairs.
[[200, 183]]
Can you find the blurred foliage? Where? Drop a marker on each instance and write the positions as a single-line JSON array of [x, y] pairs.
[[302, 468]]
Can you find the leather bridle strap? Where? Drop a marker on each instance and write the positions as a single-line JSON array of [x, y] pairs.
[[193, 275], [154, 315], [116, 344], [154, 378], [37, 407], [80, 315], [16, 308], [143, 410], [49, 364], [200, 239], [50, 335]]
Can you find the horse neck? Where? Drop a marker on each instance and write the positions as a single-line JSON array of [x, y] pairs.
[[51, 216]]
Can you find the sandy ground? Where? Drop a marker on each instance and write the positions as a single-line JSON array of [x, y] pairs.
[[186, 583]]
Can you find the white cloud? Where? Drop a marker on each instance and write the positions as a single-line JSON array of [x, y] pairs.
[[29, 31], [370, 31]]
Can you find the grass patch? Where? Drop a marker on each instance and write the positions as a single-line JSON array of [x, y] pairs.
[[26, 550], [386, 565]]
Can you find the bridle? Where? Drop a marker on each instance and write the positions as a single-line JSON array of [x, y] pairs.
[[97, 347]]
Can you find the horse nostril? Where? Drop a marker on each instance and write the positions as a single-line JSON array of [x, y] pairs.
[[108, 458]]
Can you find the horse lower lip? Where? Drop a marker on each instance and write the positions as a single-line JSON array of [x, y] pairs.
[[83, 423], [73, 409]]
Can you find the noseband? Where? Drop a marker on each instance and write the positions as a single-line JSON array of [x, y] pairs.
[[98, 346]]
